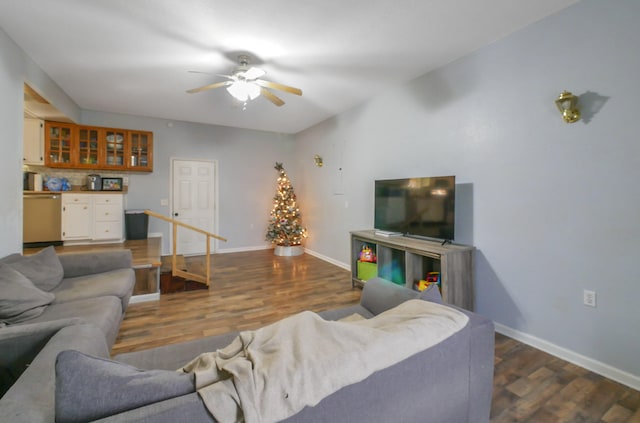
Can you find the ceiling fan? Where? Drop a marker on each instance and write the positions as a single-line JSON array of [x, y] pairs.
[[244, 84]]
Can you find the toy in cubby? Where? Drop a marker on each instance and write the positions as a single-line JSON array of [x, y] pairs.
[[431, 279], [367, 254], [367, 266]]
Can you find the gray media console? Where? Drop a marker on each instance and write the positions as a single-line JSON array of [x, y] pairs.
[[406, 261]]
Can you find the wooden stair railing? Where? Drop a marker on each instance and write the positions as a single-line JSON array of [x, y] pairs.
[[174, 261]]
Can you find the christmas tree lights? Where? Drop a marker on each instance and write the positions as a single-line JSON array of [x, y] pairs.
[[285, 226]]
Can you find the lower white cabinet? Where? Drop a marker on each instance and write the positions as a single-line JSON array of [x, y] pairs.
[[77, 216], [109, 214], [92, 217]]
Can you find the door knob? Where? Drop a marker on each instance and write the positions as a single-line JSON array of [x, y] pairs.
[[175, 214]]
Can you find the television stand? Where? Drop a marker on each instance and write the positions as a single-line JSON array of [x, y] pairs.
[[405, 261], [387, 233]]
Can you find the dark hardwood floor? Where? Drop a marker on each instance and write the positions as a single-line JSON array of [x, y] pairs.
[[252, 289]]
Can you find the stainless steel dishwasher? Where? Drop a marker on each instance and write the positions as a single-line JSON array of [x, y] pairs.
[[42, 219]]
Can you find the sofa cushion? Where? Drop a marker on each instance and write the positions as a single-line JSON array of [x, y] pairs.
[[380, 295], [105, 313], [174, 356], [118, 283], [43, 268], [10, 258], [20, 300], [31, 398], [432, 293], [340, 313], [90, 388]]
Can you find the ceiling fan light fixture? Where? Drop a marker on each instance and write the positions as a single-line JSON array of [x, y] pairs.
[[244, 84], [243, 90]]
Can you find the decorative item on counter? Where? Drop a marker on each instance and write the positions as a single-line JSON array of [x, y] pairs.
[[94, 182], [111, 184], [367, 254], [65, 185], [53, 184], [37, 182]]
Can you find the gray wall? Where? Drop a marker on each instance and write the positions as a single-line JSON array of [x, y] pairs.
[[246, 174], [16, 68], [552, 208]]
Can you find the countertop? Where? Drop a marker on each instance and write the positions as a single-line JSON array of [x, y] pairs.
[[75, 190]]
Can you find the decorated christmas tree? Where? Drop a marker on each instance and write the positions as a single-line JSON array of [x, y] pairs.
[[285, 227]]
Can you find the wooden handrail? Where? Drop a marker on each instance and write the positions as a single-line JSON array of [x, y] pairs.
[[174, 260], [184, 225]]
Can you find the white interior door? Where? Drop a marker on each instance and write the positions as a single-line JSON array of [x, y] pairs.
[[194, 203]]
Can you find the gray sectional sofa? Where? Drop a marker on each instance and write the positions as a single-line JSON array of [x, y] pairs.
[[50, 303], [448, 382]]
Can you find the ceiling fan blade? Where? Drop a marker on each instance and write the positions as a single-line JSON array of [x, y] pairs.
[[205, 73], [209, 87], [276, 86], [254, 73], [271, 97], [209, 73]]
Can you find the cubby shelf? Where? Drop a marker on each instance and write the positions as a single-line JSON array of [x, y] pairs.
[[405, 260]]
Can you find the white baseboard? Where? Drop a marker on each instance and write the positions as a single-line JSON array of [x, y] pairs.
[[625, 378], [243, 249], [328, 259], [144, 298]]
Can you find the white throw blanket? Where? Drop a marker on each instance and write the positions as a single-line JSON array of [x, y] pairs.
[[272, 373]]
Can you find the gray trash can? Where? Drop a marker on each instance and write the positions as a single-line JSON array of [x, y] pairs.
[[136, 223]]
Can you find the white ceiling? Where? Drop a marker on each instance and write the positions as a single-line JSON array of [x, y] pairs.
[[133, 56]]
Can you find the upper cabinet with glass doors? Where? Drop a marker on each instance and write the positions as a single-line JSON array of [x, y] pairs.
[[90, 147], [60, 140], [114, 147], [140, 150]]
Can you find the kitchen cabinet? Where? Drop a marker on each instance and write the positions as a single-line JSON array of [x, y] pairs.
[[77, 216], [140, 150], [73, 146], [60, 140], [88, 151], [33, 142], [108, 214], [113, 147], [88, 218]]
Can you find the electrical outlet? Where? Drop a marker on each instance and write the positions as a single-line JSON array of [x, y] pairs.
[[589, 298], [125, 181]]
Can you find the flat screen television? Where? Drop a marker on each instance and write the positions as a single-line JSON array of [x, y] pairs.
[[421, 207]]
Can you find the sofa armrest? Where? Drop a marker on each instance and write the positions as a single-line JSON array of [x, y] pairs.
[[81, 264], [19, 344], [379, 295], [187, 408], [32, 398]]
